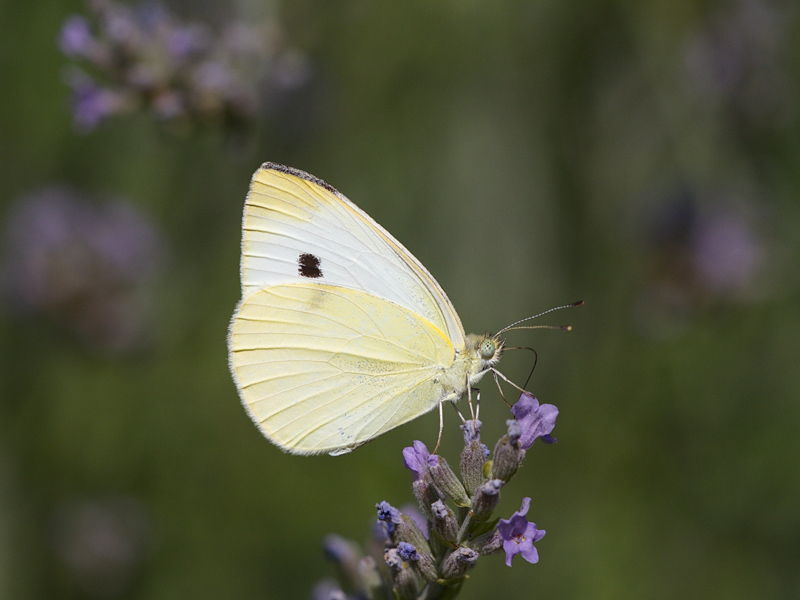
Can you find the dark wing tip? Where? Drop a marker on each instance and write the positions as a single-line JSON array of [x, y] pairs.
[[270, 166]]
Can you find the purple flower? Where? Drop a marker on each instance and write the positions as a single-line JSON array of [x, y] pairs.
[[75, 38], [388, 513], [535, 420], [472, 431], [519, 535], [407, 551], [415, 458]]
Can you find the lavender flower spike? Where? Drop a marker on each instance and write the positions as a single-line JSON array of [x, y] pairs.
[[415, 458], [535, 420], [519, 535]]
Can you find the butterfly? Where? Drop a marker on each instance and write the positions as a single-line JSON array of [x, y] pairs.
[[341, 334]]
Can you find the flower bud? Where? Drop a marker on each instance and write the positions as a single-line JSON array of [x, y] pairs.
[[406, 586], [408, 531], [389, 515], [403, 577], [473, 457], [370, 580], [446, 481], [488, 543], [421, 562], [392, 559], [345, 554], [327, 590], [426, 494], [485, 499], [444, 522], [507, 453], [458, 562]]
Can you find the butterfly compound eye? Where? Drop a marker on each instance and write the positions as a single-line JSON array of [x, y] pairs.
[[487, 349]]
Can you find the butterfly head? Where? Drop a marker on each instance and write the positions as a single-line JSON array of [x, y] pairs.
[[487, 348]]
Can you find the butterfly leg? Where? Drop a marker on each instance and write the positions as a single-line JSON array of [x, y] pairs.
[[441, 428], [497, 374], [469, 401], [500, 389], [458, 412]]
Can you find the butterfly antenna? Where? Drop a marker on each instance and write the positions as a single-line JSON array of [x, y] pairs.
[[567, 328], [535, 360]]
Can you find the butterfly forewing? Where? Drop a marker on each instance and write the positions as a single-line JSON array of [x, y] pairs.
[[296, 228]]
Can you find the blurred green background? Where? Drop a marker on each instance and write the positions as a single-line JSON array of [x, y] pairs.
[[639, 155]]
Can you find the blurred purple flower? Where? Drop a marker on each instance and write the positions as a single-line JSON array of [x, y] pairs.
[[89, 268], [725, 252], [328, 590], [121, 25], [75, 39], [91, 103], [519, 535], [705, 250], [340, 550], [185, 41], [213, 77], [740, 57], [143, 57], [536, 421]]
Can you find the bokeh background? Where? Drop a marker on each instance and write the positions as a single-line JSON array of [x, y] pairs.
[[643, 156]]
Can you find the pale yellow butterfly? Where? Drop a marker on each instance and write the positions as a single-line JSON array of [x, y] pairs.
[[341, 334]]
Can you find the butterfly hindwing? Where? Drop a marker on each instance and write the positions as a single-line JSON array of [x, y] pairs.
[[323, 368]]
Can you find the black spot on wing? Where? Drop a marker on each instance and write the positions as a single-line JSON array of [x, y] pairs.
[[309, 266]]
